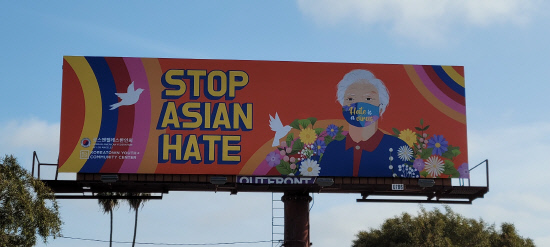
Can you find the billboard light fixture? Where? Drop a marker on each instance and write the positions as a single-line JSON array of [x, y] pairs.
[[109, 178], [218, 180], [425, 183], [324, 182]]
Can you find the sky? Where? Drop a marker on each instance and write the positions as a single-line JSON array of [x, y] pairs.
[[503, 45]]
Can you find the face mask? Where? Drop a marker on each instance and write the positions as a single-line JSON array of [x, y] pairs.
[[361, 114]]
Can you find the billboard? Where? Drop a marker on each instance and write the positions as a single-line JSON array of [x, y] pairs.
[[262, 118]]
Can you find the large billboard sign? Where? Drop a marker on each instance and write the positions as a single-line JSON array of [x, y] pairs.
[[262, 118]]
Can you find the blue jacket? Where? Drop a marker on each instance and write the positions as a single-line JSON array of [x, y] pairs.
[[373, 158]]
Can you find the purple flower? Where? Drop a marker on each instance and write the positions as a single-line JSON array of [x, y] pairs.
[[273, 158], [332, 130], [439, 144], [319, 147], [418, 164], [463, 170]]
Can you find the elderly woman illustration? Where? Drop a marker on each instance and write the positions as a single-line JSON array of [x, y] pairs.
[[365, 151]]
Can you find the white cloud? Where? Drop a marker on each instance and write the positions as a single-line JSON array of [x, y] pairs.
[[425, 21], [21, 137], [516, 153], [518, 178]]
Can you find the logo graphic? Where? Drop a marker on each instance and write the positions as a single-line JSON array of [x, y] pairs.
[[85, 142], [129, 98], [84, 154]]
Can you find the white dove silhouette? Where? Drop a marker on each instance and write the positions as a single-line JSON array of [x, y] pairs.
[[277, 126], [128, 98]]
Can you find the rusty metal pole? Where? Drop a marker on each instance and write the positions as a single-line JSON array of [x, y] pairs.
[[296, 219]]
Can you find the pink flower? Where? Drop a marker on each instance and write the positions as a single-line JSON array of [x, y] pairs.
[[292, 159], [286, 158], [283, 153], [288, 150], [293, 166]]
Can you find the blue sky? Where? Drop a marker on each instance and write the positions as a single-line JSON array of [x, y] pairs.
[[504, 46]]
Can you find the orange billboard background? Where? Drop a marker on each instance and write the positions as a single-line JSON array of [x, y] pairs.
[[104, 131]]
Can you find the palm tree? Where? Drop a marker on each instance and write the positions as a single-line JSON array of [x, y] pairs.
[[136, 200], [108, 203]]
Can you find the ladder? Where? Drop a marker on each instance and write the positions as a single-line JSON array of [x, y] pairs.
[[277, 219]]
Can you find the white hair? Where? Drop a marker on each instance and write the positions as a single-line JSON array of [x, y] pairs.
[[358, 75]]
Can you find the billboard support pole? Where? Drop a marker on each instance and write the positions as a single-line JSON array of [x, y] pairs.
[[296, 219]]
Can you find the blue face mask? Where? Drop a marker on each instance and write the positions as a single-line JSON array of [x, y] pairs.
[[361, 114]]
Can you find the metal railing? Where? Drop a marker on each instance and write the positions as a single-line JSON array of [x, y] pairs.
[[486, 162], [35, 158]]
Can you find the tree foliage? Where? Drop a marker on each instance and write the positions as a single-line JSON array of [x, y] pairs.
[[435, 228], [27, 207]]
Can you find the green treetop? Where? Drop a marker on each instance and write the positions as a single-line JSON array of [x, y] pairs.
[[435, 228], [27, 207]]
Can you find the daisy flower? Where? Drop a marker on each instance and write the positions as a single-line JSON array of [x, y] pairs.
[[434, 166], [404, 153], [309, 168], [408, 136], [308, 136], [439, 144], [332, 130], [319, 147]]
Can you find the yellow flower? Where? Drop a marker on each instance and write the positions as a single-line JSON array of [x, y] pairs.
[[308, 136], [408, 136]]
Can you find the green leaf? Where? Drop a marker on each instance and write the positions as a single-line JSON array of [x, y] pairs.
[[290, 137], [418, 128], [426, 128], [328, 139], [304, 123], [396, 131], [339, 136], [284, 168], [424, 174], [456, 152], [449, 164], [298, 146], [295, 124], [421, 122], [451, 152], [426, 152], [312, 120], [341, 128], [450, 169], [318, 131]]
